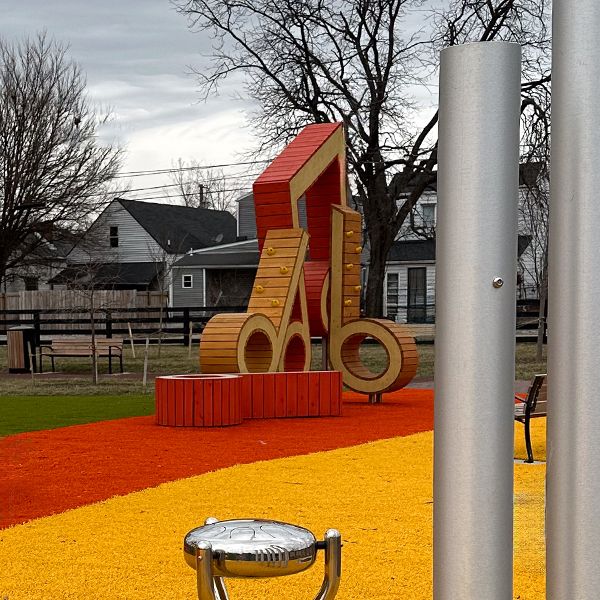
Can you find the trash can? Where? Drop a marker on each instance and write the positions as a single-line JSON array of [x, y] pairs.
[[21, 343]]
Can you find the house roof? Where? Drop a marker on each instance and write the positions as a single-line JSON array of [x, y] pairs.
[[117, 274], [229, 255], [424, 250], [179, 228]]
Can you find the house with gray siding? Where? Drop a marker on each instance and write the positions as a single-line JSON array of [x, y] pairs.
[[219, 276], [133, 244]]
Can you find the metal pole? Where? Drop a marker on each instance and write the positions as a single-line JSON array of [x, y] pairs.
[[573, 442], [476, 266]]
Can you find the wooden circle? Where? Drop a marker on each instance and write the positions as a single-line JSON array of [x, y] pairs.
[[400, 346]]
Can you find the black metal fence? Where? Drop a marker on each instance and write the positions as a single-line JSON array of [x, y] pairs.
[[174, 323]]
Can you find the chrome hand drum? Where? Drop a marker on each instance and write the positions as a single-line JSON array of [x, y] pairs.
[[258, 548]]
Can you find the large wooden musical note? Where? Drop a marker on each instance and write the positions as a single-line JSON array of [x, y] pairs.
[[305, 286]]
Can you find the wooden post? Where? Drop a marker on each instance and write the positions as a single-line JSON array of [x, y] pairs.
[[145, 376], [131, 340], [186, 326], [190, 340]]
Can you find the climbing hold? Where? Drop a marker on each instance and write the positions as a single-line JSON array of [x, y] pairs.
[[260, 289], [348, 302], [357, 288], [349, 266], [270, 251], [275, 302], [358, 249], [349, 233], [283, 270]]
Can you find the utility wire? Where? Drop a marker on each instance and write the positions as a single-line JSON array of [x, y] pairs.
[[179, 169]]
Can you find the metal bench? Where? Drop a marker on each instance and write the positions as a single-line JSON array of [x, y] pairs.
[[82, 347], [530, 407]]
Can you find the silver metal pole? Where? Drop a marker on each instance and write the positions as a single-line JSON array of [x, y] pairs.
[[476, 267], [573, 434]]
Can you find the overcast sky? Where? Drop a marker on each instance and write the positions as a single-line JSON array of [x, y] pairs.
[[136, 55]]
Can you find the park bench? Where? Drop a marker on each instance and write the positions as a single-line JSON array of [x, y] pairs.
[[533, 405], [82, 347]]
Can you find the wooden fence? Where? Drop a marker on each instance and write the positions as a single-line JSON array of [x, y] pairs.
[[74, 299], [74, 307], [175, 324]]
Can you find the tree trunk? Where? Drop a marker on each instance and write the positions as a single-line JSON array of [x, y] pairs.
[[542, 314], [93, 342], [379, 249]]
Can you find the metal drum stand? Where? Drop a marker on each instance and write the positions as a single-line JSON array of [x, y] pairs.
[[253, 548]]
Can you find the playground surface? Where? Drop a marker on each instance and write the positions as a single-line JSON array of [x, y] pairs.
[[100, 509]]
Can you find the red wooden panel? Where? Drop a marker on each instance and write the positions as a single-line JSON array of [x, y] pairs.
[[258, 400], [276, 221], [224, 400], [291, 380], [265, 198], [171, 402], [159, 401], [217, 399], [336, 393], [246, 396], [208, 402], [302, 395], [235, 403], [198, 402], [179, 391], [313, 394], [270, 186], [188, 403], [268, 396], [265, 209], [324, 394], [280, 394]]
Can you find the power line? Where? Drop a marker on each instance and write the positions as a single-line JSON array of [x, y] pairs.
[[244, 189], [170, 185], [179, 169]]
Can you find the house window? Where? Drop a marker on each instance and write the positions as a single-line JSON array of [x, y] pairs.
[[417, 295], [114, 236], [428, 215], [187, 281], [392, 295], [31, 284]]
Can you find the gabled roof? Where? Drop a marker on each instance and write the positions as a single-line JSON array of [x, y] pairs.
[[112, 274], [178, 228]]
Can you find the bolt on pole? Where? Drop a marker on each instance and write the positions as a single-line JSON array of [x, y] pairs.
[[476, 266], [573, 432]]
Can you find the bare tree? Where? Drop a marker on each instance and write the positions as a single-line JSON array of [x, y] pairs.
[[534, 205], [52, 168], [163, 262], [203, 187], [357, 61], [92, 296]]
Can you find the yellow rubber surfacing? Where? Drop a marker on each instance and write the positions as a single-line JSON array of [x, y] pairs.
[[378, 495]]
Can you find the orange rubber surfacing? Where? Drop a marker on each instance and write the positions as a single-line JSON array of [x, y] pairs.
[[47, 472]]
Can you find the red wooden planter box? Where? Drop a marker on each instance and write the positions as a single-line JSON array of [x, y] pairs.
[[198, 400], [297, 394], [220, 400]]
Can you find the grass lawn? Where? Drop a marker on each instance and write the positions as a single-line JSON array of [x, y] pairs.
[[32, 413], [69, 397]]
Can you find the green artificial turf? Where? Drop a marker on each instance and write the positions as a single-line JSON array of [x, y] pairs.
[[32, 413]]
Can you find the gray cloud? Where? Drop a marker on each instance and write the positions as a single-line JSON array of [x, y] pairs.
[[136, 55]]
